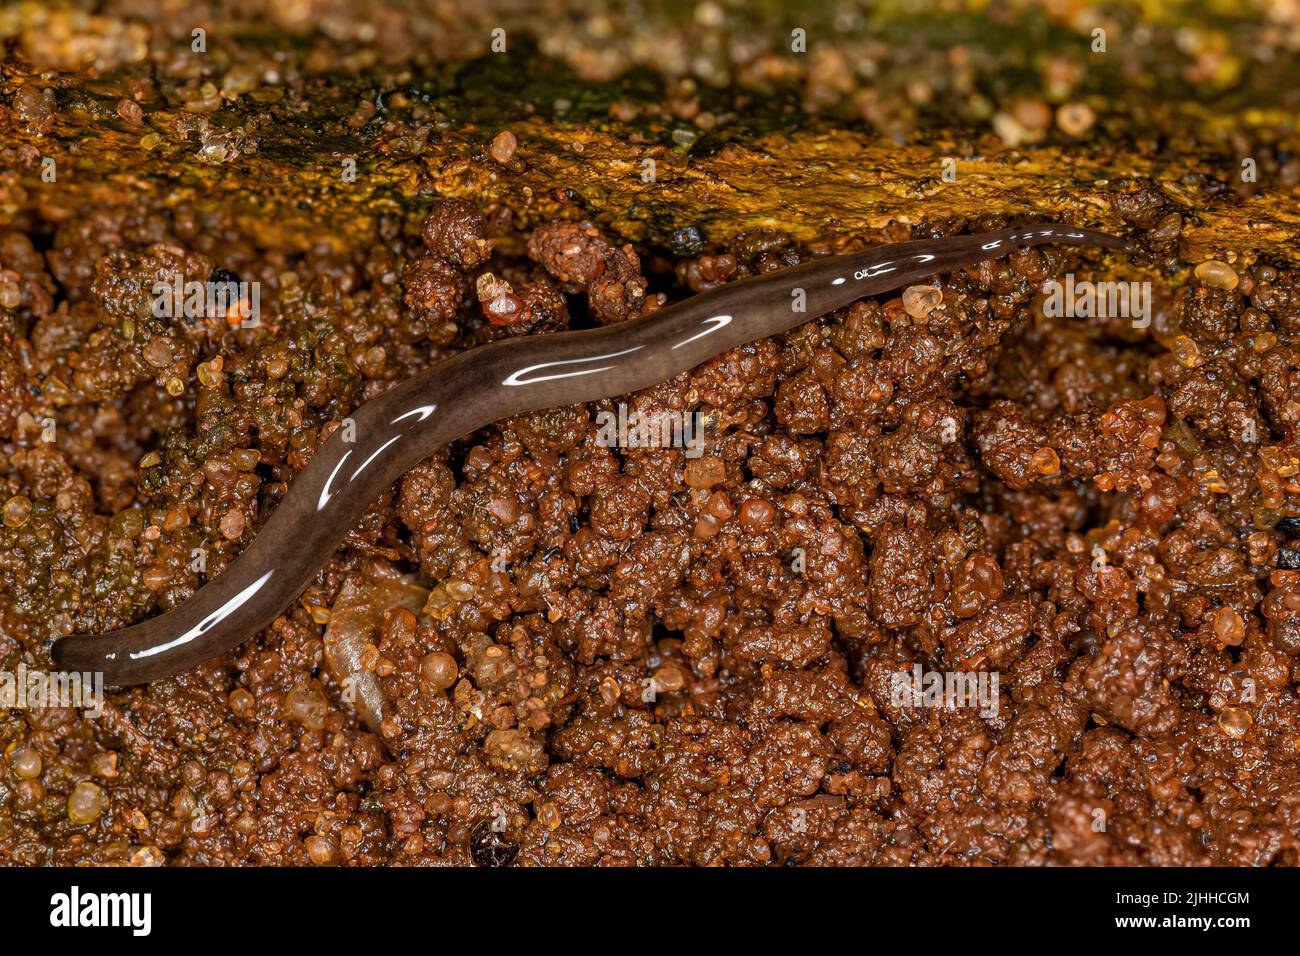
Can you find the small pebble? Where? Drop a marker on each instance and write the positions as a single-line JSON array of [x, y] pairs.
[[438, 671], [1045, 461], [104, 765], [320, 850], [549, 816], [705, 472], [719, 506], [504, 511], [439, 606], [85, 803], [232, 525], [245, 459], [610, 691], [669, 679], [460, 590], [305, 705], [1229, 627], [1235, 721], [26, 763], [17, 510], [242, 702], [706, 527], [504, 146], [209, 377], [1217, 274], [756, 514], [1075, 119], [130, 111], [158, 353], [1033, 115], [148, 856], [1010, 130]]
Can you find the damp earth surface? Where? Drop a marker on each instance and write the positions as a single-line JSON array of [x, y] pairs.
[[538, 649]]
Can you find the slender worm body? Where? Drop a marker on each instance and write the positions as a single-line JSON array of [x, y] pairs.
[[413, 420]]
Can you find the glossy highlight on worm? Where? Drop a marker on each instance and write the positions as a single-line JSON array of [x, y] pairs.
[[471, 390]]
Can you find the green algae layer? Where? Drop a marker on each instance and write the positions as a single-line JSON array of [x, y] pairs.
[[750, 118]]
